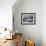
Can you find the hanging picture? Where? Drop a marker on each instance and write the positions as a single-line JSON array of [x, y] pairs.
[[28, 18]]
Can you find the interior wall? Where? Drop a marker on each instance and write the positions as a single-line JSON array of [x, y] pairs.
[[6, 13], [43, 22], [32, 32]]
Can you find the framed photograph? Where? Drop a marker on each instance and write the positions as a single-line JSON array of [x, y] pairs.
[[28, 18]]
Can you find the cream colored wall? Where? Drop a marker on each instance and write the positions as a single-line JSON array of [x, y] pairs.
[[36, 32], [30, 31], [43, 22]]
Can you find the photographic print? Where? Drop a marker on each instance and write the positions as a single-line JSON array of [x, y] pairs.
[[28, 18]]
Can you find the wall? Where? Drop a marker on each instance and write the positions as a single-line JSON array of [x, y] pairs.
[[43, 22], [32, 32], [6, 13]]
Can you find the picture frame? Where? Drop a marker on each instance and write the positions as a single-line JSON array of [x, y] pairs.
[[28, 18]]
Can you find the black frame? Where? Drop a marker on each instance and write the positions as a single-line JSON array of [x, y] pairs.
[[33, 17]]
